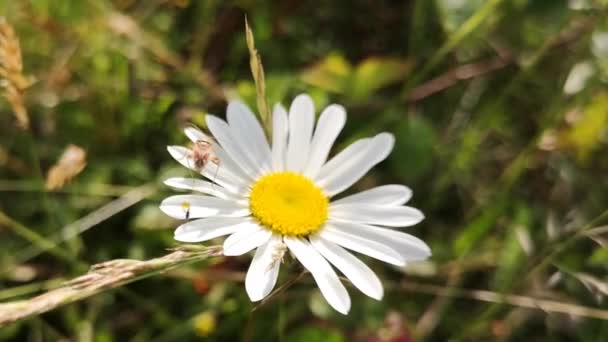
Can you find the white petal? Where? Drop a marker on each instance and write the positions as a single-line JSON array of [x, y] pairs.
[[221, 176], [354, 269], [245, 240], [200, 186], [195, 135], [408, 246], [221, 131], [362, 244], [330, 124], [280, 127], [382, 215], [341, 176], [181, 155], [197, 206], [263, 270], [348, 154], [392, 194], [210, 228], [249, 133], [332, 289], [301, 122]]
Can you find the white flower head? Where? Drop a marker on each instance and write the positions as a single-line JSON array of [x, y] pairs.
[[274, 198]]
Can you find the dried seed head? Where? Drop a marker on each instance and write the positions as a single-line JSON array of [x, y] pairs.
[[10, 50], [71, 163], [11, 77]]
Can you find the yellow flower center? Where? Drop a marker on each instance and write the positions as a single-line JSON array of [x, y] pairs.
[[288, 204]]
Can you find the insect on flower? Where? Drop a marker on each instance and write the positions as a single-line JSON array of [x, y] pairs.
[[202, 154], [278, 253], [186, 209]]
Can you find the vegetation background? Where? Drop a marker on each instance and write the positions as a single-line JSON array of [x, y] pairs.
[[500, 109]]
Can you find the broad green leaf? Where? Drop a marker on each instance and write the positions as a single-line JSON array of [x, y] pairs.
[[336, 74], [331, 74], [586, 134], [375, 73]]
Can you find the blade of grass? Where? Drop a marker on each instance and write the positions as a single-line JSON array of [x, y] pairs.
[[38, 240], [30, 288], [92, 219], [93, 190]]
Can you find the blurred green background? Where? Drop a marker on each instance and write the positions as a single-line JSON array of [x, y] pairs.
[[500, 109]]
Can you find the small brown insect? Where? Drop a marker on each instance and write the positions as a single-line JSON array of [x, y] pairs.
[[202, 153]]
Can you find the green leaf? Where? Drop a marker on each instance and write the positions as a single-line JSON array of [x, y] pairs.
[[335, 74], [375, 73], [307, 334], [330, 74], [586, 133]]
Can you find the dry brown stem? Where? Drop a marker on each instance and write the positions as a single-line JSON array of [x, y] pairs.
[[102, 277], [546, 305]]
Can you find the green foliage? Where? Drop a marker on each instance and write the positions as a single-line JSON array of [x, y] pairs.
[[335, 74], [315, 334], [586, 134], [417, 143]]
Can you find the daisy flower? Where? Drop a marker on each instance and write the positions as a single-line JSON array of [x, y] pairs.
[[280, 197]]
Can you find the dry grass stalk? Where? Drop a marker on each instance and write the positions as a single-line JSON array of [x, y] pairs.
[[257, 70], [102, 277], [11, 73], [278, 291], [546, 305], [70, 164], [457, 74]]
